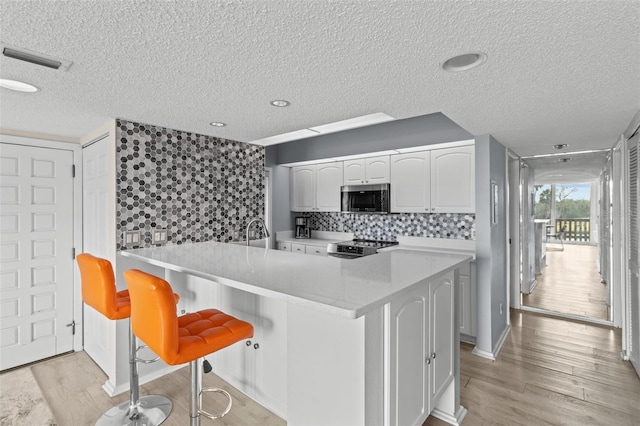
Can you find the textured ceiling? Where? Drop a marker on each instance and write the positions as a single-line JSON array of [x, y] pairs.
[[557, 72]]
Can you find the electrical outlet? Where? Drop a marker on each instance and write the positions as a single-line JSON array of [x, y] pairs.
[[252, 234], [236, 235], [473, 233], [159, 236], [131, 238]]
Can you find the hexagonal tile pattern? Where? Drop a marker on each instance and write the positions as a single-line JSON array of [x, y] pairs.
[[199, 188]]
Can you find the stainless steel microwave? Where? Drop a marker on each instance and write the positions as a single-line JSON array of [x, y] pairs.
[[366, 198]]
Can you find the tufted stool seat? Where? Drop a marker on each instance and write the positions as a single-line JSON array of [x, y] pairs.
[[178, 340], [99, 292]]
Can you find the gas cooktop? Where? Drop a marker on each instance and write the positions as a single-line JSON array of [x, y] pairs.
[[357, 248]]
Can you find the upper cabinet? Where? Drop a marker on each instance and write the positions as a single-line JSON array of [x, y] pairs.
[[453, 180], [435, 181], [410, 182], [316, 187], [370, 170]]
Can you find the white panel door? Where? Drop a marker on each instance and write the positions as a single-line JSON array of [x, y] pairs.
[[441, 334], [633, 249], [36, 261], [97, 170], [410, 182]]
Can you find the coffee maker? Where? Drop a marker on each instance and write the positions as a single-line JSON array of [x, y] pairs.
[[302, 227]]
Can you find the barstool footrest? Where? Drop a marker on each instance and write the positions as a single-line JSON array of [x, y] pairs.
[[214, 416]]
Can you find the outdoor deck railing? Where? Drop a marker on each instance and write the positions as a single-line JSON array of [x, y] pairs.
[[576, 229]]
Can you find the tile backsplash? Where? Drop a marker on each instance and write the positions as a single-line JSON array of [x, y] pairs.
[[388, 227], [199, 188]]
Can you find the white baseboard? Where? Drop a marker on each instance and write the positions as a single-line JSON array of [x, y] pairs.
[[446, 417], [112, 390], [496, 349]]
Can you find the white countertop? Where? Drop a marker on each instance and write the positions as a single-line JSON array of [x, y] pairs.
[[341, 287]]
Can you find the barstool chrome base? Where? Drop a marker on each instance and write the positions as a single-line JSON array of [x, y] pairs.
[[151, 410]]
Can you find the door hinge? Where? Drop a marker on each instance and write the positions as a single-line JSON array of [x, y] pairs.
[[73, 170], [73, 253], [72, 324]]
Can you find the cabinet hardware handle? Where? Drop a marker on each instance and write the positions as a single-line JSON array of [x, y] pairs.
[[248, 343], [256, 346], [433, 208], [427, 360], [433, 355]]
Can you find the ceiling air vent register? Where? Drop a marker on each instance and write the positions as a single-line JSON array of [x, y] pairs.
[[35, 58]]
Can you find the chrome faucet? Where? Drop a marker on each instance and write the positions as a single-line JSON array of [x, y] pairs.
[[266, 231]]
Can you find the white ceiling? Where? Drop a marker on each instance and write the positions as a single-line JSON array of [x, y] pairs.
[[557, 71]]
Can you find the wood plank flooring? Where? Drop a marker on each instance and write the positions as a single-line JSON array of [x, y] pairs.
[[570, 283], [549, 372]]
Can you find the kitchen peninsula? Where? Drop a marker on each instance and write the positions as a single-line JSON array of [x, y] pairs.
[[349, 342]]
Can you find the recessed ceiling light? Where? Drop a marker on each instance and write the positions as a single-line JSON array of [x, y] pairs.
[[280, 103], [560, 146], [18, 86], [217, 124], [464, 62]]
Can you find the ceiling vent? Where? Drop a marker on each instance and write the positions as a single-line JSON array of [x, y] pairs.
[[34, 58]]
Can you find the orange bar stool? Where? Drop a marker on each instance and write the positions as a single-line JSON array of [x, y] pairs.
[[99, 292], [178, 340]]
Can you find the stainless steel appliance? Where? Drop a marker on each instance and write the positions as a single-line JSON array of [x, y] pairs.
[[365, 198], [302, 227], [357, 248]]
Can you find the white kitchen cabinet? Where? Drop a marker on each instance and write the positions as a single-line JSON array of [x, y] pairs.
[[436, 181], [369, 170], [285, 246], [421, 350], [316, 187], [256, 366], [467, 302], [410, 182], [453, 180], [316, 250], [298, 248]]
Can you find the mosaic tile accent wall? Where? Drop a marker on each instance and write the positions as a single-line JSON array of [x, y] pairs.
[[199, 188], [388, 227]]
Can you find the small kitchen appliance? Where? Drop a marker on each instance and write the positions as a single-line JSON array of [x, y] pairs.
[[357, 248], [302, 227]]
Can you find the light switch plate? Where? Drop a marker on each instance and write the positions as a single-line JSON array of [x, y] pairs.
[[131, 238], [159, 236]]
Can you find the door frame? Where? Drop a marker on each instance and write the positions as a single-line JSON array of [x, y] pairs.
[[77, 214]]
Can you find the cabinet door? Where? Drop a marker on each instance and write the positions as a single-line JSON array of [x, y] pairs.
[[464, 305], [441, 335], [354, 172], [409, 393], [377, 169], [328, 183], [453, 178], [303, 188], [410, 182]]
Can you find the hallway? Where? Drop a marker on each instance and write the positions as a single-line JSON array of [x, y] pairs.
[[570, 283]]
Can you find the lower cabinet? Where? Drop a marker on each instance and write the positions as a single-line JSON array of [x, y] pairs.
[[303, 248], [256, 366], [467, 303], [421, 350]]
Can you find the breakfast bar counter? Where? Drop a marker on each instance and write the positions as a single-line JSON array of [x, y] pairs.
[[337, 341]]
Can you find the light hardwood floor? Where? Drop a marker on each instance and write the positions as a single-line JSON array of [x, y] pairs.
[[549, 372], [570, 283]]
